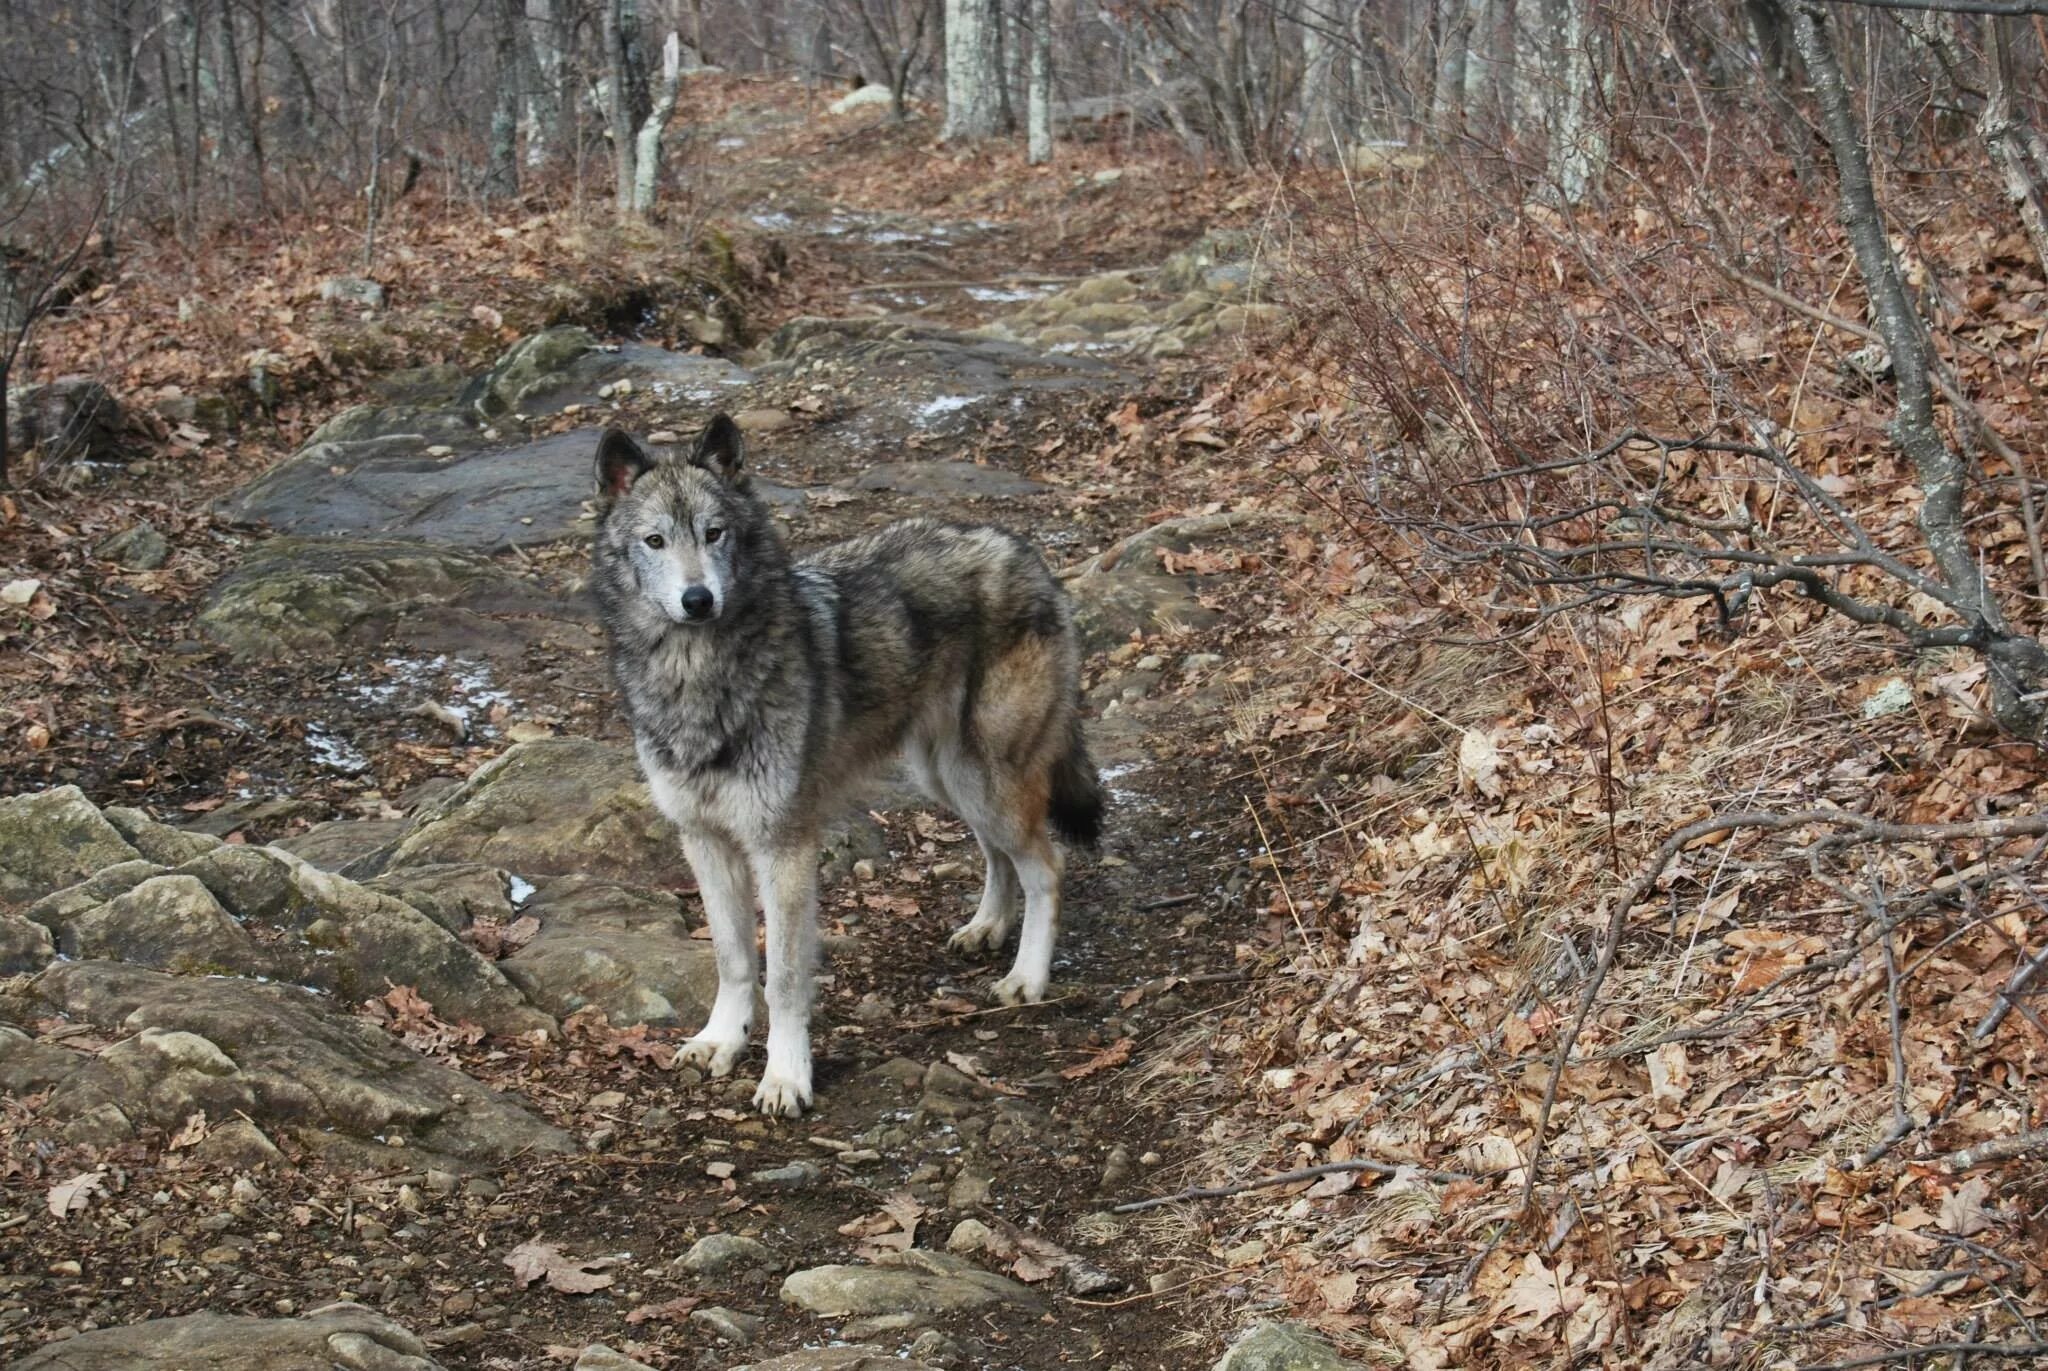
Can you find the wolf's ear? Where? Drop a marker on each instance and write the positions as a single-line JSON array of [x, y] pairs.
[[620, 462], [721, 449]]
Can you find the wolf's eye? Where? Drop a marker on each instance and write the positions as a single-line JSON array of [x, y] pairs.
[[656, 541], [712, 535]]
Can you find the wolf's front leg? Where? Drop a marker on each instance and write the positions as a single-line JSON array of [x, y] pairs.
[[789, 887], [728, 891]]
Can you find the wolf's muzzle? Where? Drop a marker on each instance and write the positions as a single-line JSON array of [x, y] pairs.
[[697, 603]]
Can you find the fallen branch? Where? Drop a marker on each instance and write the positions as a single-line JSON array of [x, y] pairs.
[[2003, 1350], [1306, 1173], [2000, 1149], [1860, 827]]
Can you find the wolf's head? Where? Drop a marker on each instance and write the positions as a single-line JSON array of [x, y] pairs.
[[678, 540]]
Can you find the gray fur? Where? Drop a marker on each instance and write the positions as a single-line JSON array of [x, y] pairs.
[[949, 647]]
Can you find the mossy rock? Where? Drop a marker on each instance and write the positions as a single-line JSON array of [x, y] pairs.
[[53, 839]]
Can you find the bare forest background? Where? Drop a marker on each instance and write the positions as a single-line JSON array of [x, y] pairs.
[[1662, 664]]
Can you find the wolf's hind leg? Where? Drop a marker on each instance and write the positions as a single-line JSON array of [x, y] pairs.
[[728, 892], [997, 913], [789, 886], [1038, 870]]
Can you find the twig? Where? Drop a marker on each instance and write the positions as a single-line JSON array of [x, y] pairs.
[[1902, 1113], [1306, 1173], [1168, 902], [1933, 1349], [1999, 1149], [2020, 978]]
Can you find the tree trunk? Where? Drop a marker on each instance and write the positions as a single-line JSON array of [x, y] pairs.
[[1038, 137], [647, 156], [1578, 144], [501, 171], [972, 81], [1318, 54], [2017, 663], [1453, 64], [542, 54], [618, 113]]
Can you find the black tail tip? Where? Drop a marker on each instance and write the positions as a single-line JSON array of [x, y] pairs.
[[1077, 805]]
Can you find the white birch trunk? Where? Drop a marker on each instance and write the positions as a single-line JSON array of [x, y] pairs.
[[647, 152], [1578, 144], [544, 97], [1038, 114], [1318, 54], [972, 108]]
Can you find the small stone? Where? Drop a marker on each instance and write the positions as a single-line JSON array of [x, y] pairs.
[[598, 1357], [1086, 1282], [1117, 1169], [946, 871], [720, 1254], [934, 1348], [799, 1175], [1281, 1347], [969, 1191], [1150, 1159], [864, 870], [970, 1236], [245, 1190], [763, 420], [440, 450], [66, 1268], [728, 1325], [442, 1182]]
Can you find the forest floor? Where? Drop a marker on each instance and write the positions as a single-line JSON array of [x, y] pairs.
[[1358, 863]]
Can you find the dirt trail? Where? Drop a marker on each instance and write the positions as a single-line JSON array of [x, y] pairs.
[[1006, 1134]]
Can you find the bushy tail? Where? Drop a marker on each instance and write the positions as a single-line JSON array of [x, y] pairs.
[[1077, 799]]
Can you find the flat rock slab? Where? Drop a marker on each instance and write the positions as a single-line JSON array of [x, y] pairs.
[[297, 596], [861, 1358], [948, 480], [345, 1336], [914, 1282], [623, 949], [278, 1055]]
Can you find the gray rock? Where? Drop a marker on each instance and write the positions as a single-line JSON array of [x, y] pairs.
[[159, 842], [912, 1282], [169, 922], [139, 547], [1129, 590], [293, 597], [24, 945], [27, 1066], [280, 1057], [947, 480], [52, 839], [969, 1190], [358, 942], [338, 843], [531, 363], [452, 894], [345, 1336], [54, 910], [622, 948], [598, 1357], [1281, 1347], [729, 1325], [722, 1254], [72, 419], [970, 1236], [353, 290], [795, 1176], [551, 807], [839, 1359]]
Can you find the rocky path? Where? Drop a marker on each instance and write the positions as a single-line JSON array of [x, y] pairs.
[[393, 1091]]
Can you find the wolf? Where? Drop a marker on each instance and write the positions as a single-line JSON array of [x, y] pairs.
[[763, 690]]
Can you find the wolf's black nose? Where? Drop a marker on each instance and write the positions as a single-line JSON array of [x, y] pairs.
[[697, 603]]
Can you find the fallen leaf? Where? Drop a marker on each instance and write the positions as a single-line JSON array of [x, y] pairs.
[[70, 1197], [1116, 1054], [532, 1261], [668, 1310]]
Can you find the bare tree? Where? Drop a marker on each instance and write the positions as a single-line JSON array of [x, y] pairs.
[[1039, 116], [41, 246], [973, 78]]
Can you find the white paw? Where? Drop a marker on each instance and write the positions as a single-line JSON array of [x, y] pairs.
[[717, 1056], [1018, 988], [977, 937], [783, 1096]]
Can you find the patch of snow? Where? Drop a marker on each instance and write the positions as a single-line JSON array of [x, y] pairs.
[[522, 891], [728, 143], [1005, 294], [774, 219], [945, 404], [336, 754]]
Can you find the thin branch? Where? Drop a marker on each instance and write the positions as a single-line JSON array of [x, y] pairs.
[[1306, 1173], [2001, 1350]]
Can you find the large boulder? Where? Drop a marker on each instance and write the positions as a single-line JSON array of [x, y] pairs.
[[551, 807], [72, 419], [338, 1337], [24, 945], [159, 842], [275, 1053], [294, 597], [531, 364], [915, 1282], [171, 922], [52, 839], [623, 949]]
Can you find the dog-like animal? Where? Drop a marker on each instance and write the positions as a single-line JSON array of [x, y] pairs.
[[764, 690]]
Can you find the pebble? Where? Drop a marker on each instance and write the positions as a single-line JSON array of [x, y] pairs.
[[934, 1348], [717, 1254], [970, 1236], [795, 1176], [969, 1191], [442, 1182], [1117, 1169], [946, 871], [728, 1324]]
